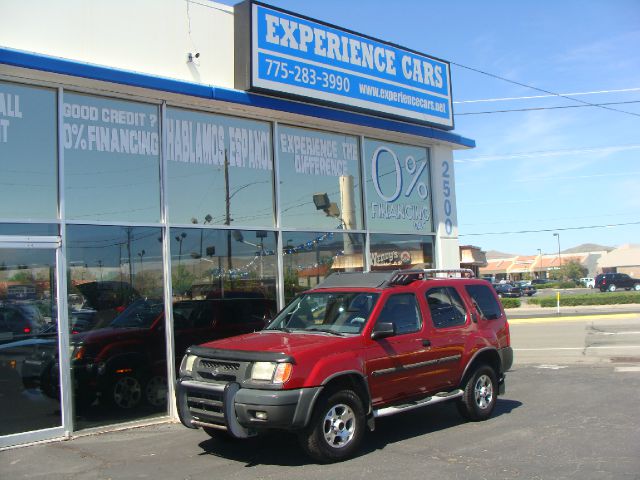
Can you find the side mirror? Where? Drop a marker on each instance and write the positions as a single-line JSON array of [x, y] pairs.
[[383, 330]]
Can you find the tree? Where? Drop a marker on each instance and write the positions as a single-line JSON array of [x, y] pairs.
[[572, 270]]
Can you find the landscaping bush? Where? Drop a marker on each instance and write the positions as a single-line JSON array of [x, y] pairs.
[[510, 302], [568, 284], [595, 299]]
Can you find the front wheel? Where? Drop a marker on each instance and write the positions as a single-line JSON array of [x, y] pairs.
[[636, 287], [480, 393], [336, 428]]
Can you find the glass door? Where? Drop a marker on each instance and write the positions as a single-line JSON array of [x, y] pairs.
[[30, 387]]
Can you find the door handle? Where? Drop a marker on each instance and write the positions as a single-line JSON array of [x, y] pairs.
[[426, 343]]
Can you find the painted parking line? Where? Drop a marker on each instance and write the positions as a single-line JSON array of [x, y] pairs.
[[572, 318], [545, 349], [627, 369]]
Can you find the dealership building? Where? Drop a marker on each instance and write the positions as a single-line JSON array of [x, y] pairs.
[[181, 169]]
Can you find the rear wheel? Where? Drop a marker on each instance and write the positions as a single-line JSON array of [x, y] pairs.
[[336, 428], [636, 287], [480, 394], [612, 288]]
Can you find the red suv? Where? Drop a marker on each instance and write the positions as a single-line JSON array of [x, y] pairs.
[[357, 347]]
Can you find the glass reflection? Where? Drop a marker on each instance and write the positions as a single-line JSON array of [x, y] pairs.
[[220, 168], [310, 256], [398, 188], [118, 354], [393, 252], [320, 179], [28, 341], [112, 159], [28, 149], [224, 283]]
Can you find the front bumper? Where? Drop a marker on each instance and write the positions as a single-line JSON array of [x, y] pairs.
[[242, 411]]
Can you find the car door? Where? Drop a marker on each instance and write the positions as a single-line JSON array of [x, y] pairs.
[[448, 327], [398, 366]]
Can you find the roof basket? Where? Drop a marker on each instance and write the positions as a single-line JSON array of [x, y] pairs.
[[405, 277]]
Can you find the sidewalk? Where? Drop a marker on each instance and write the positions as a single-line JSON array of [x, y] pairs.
[[533, 311]]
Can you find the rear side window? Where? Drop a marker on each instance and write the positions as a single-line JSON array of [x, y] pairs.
[[485, 301], [446, 307]]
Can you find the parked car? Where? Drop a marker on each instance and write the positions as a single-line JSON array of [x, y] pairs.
[[19, 321], [527, 289], [124, 363], [588, 282], [507, 290], [540, 281], [383, 343], [613, 281]]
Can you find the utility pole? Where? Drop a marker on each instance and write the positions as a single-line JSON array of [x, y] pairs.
[[227, 214]]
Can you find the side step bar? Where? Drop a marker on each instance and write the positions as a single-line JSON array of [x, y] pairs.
[[437, 398]]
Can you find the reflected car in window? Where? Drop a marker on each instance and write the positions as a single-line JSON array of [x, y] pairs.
[[123, 365]]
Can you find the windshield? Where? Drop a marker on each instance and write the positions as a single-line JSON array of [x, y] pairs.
[[139, 314], [330, 312]]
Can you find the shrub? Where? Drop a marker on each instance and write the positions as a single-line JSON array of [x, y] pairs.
[[595, 299], [510, 302]]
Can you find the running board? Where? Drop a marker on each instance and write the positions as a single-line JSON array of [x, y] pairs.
[[405, 407]]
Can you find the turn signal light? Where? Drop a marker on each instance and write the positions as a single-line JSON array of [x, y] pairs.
[[282, 373]]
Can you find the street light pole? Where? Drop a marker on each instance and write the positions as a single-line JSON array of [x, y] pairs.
[[540, 255], [557, 235]]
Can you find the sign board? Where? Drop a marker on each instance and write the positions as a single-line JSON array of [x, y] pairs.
[[282, 53]]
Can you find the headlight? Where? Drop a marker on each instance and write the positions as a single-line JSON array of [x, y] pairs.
[[271, 372], [187, 364]]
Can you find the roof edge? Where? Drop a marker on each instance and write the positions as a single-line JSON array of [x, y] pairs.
[[47, 63]]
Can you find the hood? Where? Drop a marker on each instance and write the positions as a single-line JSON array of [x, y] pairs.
[[108, 335], [280, 342]]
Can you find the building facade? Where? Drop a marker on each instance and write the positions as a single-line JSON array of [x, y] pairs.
[[155, 197]]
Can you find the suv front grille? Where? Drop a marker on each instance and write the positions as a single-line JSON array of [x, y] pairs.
[[214, 370], [215, 364]]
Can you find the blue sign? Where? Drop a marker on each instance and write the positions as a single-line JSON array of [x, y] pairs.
[[298, 56]]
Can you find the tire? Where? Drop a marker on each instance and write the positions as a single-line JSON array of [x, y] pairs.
[[636, 287], [155, 391], [336, 428], [480, 394], [125, 391], [612, 288]]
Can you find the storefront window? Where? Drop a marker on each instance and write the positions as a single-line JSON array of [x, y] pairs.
[[393, 252], [220, 169], [28, 341], [310, 256], [111, 159], [116, 316], [224, 283], [28, 152], [320, 179], [29, 229], [398, 188]]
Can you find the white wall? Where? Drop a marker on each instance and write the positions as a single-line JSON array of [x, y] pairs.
[[147, 36]]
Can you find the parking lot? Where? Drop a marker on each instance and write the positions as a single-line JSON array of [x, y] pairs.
[[571, 410]]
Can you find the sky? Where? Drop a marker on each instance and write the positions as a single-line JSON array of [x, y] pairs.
[[573, 170]]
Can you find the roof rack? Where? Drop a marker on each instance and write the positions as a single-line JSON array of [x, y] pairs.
[[405, 277]]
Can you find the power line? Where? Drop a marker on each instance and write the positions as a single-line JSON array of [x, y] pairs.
[[548, 153], [542, 90], [542, 230], [548, 108], [534, 97]]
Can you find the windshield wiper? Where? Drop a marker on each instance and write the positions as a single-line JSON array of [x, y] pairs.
[[278, 329], [324, 330]]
